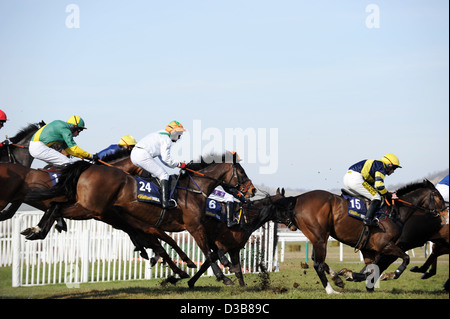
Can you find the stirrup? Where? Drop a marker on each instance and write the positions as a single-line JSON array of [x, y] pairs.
[[370, 222]]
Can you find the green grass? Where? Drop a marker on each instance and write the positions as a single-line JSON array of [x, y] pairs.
[[292, 282]]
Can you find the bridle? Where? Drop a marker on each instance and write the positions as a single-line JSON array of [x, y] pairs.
[[242, 187], [432, 210]]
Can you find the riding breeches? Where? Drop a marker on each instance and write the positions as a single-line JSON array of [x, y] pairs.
[[144, 160], [355, 182], [443, 189], [44, 153]]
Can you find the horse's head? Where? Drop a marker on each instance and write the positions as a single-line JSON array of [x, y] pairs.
[[18, 151], [282, 211], [422, 196], [226, 169]]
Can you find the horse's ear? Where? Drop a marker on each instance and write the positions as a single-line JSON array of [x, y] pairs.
[[278, 191], [282, 192]]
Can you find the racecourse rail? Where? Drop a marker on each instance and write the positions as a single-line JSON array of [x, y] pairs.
[[92, 251]]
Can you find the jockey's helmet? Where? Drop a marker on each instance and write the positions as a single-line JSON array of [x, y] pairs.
[[127, 140], [77, 121], [391, 159], [175, 129], [3, 116]]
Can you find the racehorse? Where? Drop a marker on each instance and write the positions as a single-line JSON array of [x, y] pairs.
[[22, 180], [17, 151], [429, 223], [95, 191], [320, 214], [232, 240], [439, 249]]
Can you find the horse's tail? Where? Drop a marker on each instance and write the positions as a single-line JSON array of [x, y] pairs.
[[66, 186]]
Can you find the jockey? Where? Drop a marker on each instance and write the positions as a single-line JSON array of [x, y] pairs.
[[126, 142], [442, 187], [366, 178], [58, 132], [3, 119], [158, 144]]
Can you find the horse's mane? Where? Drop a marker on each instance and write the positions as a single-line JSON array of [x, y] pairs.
[[413, 186], [119, 154], [207, 160], [25, 131]]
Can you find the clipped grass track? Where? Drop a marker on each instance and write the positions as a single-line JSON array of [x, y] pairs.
[[292, 282]]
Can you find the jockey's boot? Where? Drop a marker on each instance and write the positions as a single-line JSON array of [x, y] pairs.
[[374, 206], [165, 195], [231, 221]]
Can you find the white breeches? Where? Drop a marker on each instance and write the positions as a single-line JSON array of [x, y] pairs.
[[443, 189], [44, 153], [144, 160], [355, 182]]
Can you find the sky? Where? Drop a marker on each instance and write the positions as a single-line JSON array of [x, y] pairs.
[[301, 89]]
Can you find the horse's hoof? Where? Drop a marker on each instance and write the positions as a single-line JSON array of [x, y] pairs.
[[33, 236], [426, 275], [227, 281], [191, 284], [416, 269], [26, 232], [184, 275], [191, 265]]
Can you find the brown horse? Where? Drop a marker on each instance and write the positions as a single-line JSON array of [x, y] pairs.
[[232, 240], [22, 180], [100, 192], [439, 249], [17, 152], [320, 214]]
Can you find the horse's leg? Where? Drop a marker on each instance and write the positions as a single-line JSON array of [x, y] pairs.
[[200, 272], [166, 258], [42, 229], [10, 211], [320, 248], [163, 236], [220, 276], [236, 260], [394, 250]]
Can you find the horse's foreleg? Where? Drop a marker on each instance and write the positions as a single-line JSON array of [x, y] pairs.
[[200, 272], [320, 266], [236, 260], [394, 250], [220, 276], [162, 235]]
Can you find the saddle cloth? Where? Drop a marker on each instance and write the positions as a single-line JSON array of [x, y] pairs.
[[149, 192], [357, 207]]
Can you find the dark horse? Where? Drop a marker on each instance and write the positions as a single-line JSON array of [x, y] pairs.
[[320, 214], [104, 192], [232, 240], [17, 152], [11, 156]]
